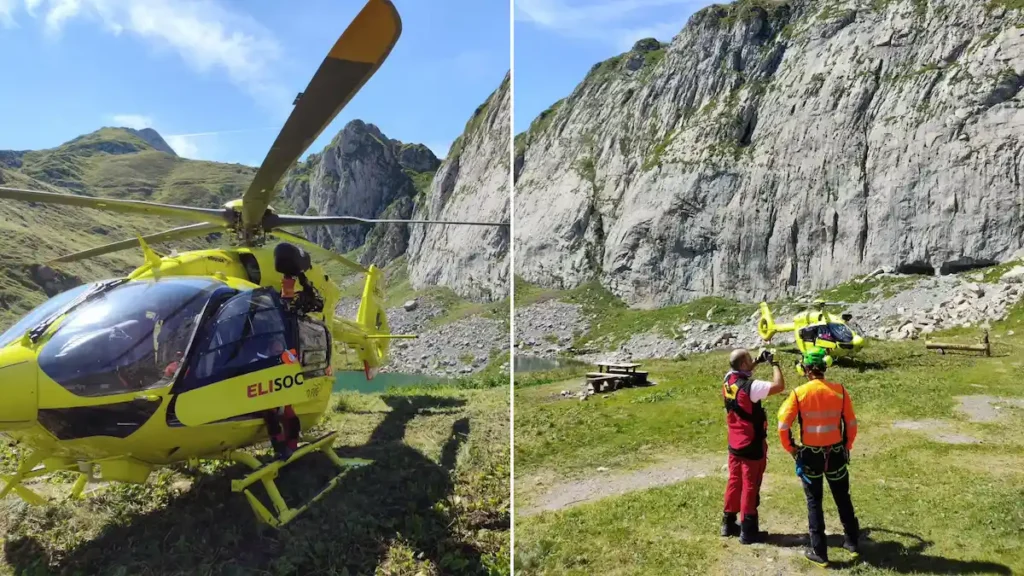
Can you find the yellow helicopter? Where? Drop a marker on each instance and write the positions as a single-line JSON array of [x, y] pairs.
[[815, 327], [201, 354]]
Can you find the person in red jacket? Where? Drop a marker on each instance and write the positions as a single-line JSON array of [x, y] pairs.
[[748, 441]]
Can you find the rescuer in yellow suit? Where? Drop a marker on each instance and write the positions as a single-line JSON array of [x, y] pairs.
[[828, 427]]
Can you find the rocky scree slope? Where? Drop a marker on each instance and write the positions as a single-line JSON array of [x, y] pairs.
[[448, 349], [471, 184], [775, 148]]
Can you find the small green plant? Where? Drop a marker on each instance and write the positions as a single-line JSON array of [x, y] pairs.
[[586, 169], [654, 159]]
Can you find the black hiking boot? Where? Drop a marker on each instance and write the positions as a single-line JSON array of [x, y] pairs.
[[749, 532], [851, 540], [729, 525], [819, 559]]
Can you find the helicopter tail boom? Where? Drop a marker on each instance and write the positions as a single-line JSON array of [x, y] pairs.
[[370, 334], [766, 326]]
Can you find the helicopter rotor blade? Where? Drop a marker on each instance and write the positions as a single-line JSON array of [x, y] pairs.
[[190, 231], [318, 249], [355, 57], [289, 220], [115, 205]]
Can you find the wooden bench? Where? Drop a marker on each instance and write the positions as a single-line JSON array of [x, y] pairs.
[[597, 380]]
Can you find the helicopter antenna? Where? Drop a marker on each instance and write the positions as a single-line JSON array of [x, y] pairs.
[[152, 258]]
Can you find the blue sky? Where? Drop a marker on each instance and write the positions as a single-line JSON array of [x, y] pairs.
[[557, 41], [217, 77]]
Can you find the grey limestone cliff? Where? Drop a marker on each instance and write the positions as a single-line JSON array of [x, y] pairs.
[[776, 147], [471, 184], [360, 173]]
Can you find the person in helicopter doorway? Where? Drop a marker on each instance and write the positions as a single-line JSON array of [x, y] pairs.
[[282, 423], [828, 427], [748, 441]]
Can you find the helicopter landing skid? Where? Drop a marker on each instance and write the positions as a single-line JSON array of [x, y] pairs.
[[266, 473], [31, 467]]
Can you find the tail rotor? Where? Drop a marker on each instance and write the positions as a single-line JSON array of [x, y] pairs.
[[766, 325]]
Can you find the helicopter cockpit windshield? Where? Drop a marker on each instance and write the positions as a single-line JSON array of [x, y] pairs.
[[41, 312], [124, 339], [831, 332]]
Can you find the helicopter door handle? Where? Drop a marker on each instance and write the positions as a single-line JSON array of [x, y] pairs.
[[149, 397]]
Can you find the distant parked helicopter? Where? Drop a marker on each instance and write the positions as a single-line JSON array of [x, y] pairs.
[[815, 327]]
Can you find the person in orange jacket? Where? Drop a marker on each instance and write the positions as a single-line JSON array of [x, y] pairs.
[[828, 427]]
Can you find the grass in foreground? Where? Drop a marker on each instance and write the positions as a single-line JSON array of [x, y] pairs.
[[434, 502], [929, 507]]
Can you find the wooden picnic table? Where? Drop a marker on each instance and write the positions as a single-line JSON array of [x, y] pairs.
[[617, 374], [621, 367]]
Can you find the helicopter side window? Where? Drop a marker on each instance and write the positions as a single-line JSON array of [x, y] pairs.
[[809, 334], [840, 333], [248, 333]]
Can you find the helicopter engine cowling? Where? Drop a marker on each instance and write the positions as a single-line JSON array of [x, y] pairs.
[[19, 379]]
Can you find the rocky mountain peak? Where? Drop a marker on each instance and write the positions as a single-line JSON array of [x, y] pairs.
[[153, 138], [416, 157], [362, 173]]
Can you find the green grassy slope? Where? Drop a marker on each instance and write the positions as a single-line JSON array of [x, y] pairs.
[[107, 163], [928, 506]]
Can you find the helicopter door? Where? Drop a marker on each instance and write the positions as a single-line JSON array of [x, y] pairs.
[[245, 361]]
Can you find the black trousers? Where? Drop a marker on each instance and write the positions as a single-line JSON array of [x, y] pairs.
[[827, 465]]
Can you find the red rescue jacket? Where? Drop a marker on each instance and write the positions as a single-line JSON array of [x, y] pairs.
[[747, 421]]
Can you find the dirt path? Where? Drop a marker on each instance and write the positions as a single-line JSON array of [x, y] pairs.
[[937, 430], [983, 408], [607, 483]]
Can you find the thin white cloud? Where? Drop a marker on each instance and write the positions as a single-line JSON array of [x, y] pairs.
[[205, 145], [205, 34], [243, 131], [136, 121], [184, 145], [621, 22], [7, 13]]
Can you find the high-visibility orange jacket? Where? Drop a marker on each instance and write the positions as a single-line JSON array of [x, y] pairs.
[[824, 412]]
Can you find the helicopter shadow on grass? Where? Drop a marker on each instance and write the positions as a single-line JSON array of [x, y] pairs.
[[352, 530], [858, 364], [888, 554]]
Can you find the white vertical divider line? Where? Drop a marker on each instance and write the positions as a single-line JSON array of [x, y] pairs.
[[512, 287]]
